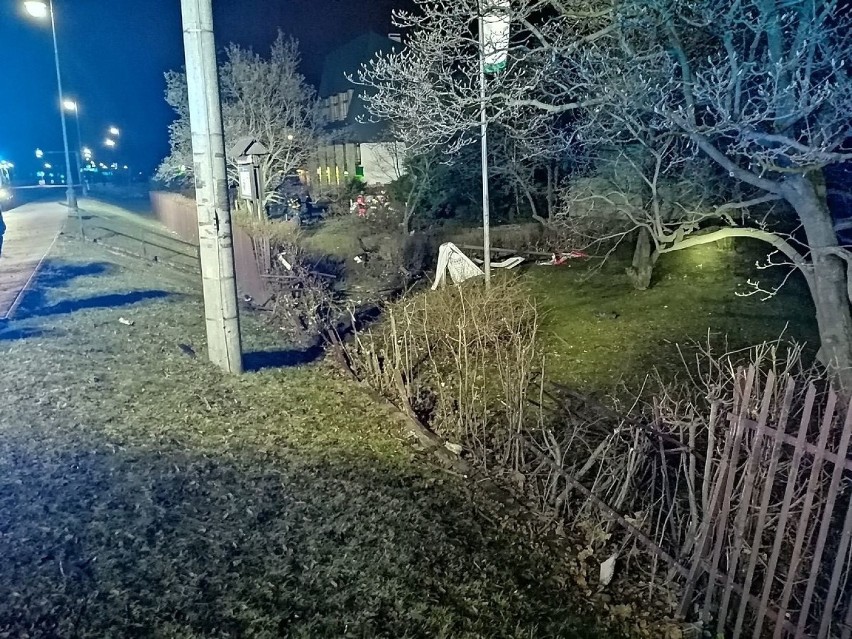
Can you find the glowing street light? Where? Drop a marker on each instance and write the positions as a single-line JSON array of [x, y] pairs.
[[72, 105], [39, 153], [113, 130], [44, 10], [47, 165], [109, 142], [37, 9]]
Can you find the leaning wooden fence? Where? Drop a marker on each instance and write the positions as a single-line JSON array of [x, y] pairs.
[[773, 549]]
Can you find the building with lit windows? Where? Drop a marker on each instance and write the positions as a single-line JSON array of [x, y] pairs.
[[357, 146]]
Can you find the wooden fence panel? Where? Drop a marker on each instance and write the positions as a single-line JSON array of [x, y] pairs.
[[178, 213], [774, 490]]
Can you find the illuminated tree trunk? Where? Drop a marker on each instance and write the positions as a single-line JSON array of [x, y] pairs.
[[830, 288], [644, 258]]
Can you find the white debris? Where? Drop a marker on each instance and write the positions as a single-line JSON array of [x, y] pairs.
[[607, 570], [456, 449]]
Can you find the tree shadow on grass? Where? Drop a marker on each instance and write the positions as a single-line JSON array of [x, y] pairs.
[[260, 360], [112, 300], [56, 275], [53, 275], [12, 334], [257, 543]]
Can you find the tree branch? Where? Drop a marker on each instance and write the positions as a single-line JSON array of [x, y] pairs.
[[757, 234]]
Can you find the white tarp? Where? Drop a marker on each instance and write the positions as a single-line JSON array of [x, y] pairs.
[[495, 33], [460, 267]]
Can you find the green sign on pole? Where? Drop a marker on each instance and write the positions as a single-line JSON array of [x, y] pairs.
[[495, 39]]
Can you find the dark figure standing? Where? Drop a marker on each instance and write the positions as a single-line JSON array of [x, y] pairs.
[[2, 230]]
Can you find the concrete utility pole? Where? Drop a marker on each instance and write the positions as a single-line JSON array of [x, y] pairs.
[[216, 245]]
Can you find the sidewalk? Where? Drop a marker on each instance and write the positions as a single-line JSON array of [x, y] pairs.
[[31, 231]]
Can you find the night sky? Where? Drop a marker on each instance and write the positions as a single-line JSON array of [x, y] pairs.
[[114, 53]]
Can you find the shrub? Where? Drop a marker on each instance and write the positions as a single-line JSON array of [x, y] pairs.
[[463, 358]]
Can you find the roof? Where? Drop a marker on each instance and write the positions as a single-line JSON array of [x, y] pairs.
[[345, 61]]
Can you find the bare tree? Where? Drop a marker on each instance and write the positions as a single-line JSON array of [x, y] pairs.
[[430, 88], [760, 88], [264, 98], [638, 182]]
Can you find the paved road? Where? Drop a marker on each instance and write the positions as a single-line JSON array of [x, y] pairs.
[[31, 230]]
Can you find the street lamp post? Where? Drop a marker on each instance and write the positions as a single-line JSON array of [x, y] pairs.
[[72, 105], [40, 9]]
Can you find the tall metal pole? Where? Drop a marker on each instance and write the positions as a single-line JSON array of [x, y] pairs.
[[211, 187], [483, 134], [71, 197], [79, 152]]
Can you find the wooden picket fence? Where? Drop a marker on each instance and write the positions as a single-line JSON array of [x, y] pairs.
[[773, 551]]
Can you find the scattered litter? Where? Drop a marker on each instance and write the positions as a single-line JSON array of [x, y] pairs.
[[284, 262], [558, 259], [509, 262], [456, 449], [607, 570], [607, 315], [126, 321]]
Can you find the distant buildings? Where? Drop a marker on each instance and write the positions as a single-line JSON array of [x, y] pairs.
[[356, 145]]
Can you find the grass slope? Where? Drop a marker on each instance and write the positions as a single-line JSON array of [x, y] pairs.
[[603, 332], [144, 494]]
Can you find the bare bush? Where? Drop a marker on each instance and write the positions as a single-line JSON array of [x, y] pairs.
[[656, 466], [638, 483], [305, 300], [463, 358]]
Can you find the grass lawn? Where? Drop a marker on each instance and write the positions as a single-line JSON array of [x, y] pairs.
[[144, 494], [603, 332]]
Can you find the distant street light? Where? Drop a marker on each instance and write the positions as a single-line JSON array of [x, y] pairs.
[[39, 153], [71, 105], [41, 10], [114, 131], [109, 142]]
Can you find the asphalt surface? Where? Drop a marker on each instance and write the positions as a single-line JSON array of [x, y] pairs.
[[31, 230]]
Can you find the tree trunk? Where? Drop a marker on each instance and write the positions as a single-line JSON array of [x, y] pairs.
[[550, 190], [830, 284], [644, 258]]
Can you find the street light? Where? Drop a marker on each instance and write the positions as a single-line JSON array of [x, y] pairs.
[[71, 105], [113, 130], [41, 10], [109, 142], [37, 9]]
